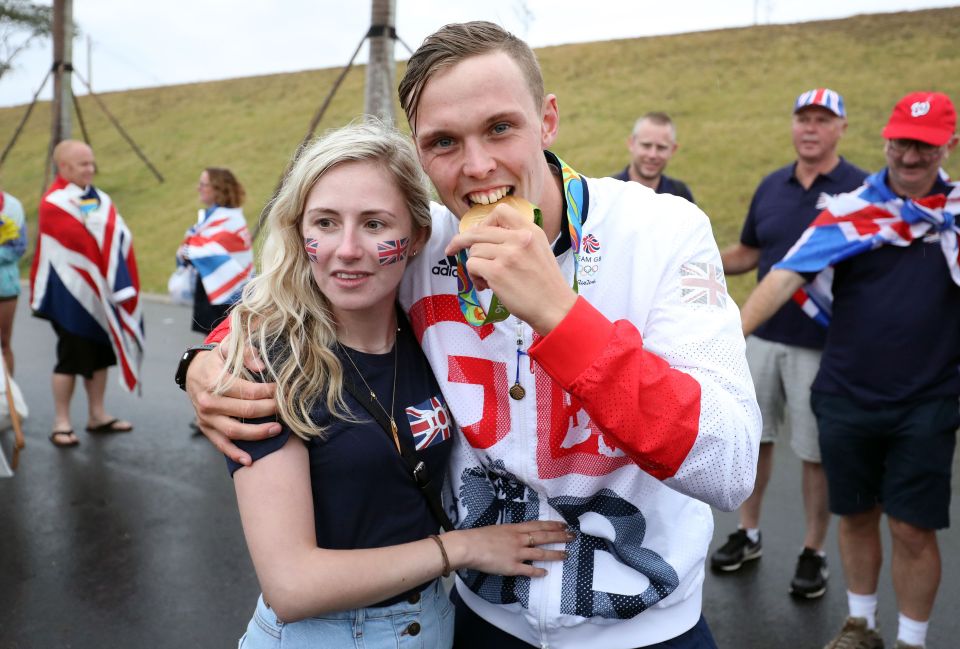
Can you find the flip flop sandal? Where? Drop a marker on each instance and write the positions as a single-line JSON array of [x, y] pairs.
[[109, 427], [66, 433]]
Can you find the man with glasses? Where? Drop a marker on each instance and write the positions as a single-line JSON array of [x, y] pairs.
[[886, 394], [784, 353]]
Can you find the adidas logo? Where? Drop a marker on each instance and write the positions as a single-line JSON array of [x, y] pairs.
[[446, 267]]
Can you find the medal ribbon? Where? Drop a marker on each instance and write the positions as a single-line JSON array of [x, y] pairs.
[[467, 296], [89, 201]]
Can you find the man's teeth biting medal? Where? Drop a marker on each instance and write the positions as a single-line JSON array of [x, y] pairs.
[[467, 294]]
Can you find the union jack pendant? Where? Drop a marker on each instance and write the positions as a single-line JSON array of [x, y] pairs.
[[517, 392]]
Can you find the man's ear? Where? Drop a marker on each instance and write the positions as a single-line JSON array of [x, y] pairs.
[[549, 121], [952, 144]]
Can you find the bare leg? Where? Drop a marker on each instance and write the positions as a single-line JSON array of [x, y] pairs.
[[8, 309], [915, 568], [96, 387], [815, 505], [860, 550], [750, 509], [62, 387]]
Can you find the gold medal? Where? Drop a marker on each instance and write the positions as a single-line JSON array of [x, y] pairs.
[[517, 392]]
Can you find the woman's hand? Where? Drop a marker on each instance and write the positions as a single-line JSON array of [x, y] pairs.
[[506, 549]]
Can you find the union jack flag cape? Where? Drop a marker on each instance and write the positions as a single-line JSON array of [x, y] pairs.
[[219, 248], [863, 220], [84, 274]]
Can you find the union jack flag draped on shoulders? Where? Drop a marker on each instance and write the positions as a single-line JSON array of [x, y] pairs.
[[219, 249], [84, 274], [863, 220]]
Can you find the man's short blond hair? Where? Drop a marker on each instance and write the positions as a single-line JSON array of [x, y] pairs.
[[456, 42], [660, 119]]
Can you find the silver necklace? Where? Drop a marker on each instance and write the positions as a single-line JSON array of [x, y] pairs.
[[373, 395]]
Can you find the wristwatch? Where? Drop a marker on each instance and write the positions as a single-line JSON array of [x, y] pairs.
[[181, 376]]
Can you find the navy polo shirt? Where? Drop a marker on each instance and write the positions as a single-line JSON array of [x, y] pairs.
[[667, 185], [780, 211], [894, 334]]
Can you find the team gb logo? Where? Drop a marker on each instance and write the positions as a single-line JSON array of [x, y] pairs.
[[919, 108]]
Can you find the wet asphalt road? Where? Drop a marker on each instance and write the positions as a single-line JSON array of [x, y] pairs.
[[134, 540]]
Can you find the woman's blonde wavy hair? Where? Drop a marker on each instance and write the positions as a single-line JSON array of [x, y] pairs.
[[282, 314]]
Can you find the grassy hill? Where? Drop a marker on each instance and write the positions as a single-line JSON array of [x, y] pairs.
[[730, 92]]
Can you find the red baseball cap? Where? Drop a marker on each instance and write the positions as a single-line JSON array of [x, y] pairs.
[[923, 116]]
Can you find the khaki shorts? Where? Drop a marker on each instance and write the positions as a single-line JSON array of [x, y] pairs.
[[782, 375]]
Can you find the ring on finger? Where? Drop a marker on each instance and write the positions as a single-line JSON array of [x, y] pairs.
[[530, 542]]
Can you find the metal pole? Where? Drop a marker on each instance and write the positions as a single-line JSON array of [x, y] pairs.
[[61, 113], [66, 88], [123, 133], [381, 68], [26, 116]]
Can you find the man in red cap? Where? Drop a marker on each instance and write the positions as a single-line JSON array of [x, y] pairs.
[[886, 394]]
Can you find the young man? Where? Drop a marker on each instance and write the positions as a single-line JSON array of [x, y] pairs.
[[624, 407], [886, 394], [651, 145], [84, 281], [784, 353]]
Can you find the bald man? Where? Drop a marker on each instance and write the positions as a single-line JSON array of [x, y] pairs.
[[84, 281]]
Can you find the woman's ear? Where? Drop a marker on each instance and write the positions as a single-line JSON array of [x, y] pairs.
[[418, 241]]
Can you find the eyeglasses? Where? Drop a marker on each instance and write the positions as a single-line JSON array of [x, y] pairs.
[[924, 150]]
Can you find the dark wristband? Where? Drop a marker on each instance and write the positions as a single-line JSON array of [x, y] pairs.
[[181, 376]]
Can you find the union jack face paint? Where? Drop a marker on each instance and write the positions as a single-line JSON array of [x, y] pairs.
[[393, 251], [310, 244]]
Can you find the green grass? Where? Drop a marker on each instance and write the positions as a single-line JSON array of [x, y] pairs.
[[729, 91]]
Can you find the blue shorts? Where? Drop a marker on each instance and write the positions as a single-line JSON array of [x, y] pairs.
[[899, 457], [473, 632], [426, 623]]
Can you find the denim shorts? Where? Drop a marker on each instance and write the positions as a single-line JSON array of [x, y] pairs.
[[424, 622]]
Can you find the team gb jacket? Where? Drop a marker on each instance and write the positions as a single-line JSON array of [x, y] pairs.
[[639, 414]]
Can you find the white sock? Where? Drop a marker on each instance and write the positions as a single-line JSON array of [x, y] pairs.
[[911, 631], [753, 533], [864, 606]]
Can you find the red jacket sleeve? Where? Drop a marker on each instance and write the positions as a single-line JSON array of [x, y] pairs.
[[218, 334], [650, 409]]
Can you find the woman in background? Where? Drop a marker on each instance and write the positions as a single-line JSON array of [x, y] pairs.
[[343, 541], [13, 243], [218, 247]]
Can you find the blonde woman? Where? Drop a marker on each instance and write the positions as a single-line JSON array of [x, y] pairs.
[[343, 542]]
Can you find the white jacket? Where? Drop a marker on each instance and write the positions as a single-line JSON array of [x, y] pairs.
[[639, 415]]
